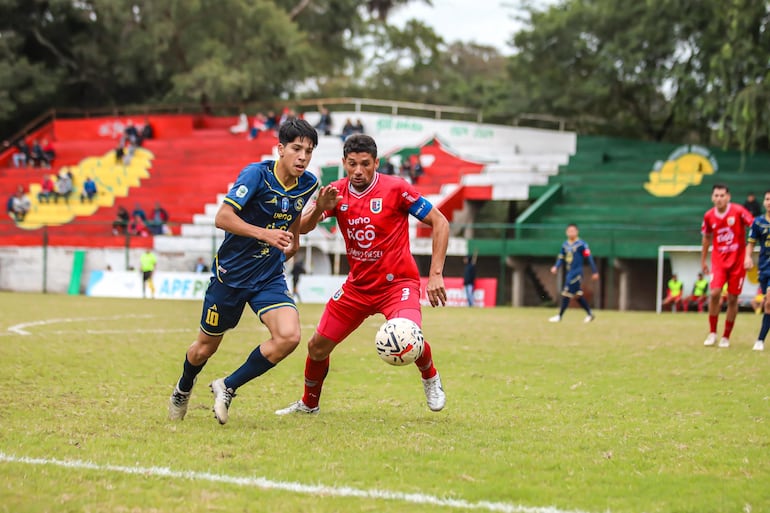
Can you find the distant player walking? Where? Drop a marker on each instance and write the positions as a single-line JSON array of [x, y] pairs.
[[724, 226], [373, 212], [760, 234], [573, 255]]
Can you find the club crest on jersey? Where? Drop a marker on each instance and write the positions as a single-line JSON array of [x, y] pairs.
[[730, 221], [337, 295], [299, 204], [284, 204], [344, 208], [375, 205], [241, 191]]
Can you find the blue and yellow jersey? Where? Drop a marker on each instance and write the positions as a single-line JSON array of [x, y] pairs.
[[573, 255], [260, 199], [759, 235]]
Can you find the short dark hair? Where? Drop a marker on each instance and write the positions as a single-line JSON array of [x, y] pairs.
[[293, 128], [572, 224], [720, 186], [359, 143]]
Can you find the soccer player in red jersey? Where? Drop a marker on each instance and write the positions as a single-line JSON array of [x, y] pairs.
[[724, 226], [372, 212]]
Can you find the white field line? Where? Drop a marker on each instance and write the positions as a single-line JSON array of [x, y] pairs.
[[288, 486], [21, 329]]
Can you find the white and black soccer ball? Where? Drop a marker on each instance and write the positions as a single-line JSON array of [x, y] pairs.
[[399, 341]]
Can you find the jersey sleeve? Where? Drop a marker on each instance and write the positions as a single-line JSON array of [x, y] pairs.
[[588, 256], [754, 232], [560, 257], [746, 216], [244, 188], [705, 226], [415, 204]]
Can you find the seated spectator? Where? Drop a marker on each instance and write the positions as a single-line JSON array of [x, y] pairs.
[[699, 294], [139, 211], [386, 167], [137, 227], [147, 132], [19, 205], [21, 156], [358, 128], [39, 158], [47, 190], [89, 190], [416, 171], [64, 186], [406, 170], [131, 134], [120, 224], [347, 129], [157, 223], [200, 266], [48, 151], [324, 124], [271, 122], [257, 126], [674, 295], [752, 205], [242, 126]]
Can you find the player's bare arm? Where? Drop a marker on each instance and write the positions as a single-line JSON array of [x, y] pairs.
[[328, 197], [435, 289], [704, 253], [748, 262], [227, 219], [294, 246]]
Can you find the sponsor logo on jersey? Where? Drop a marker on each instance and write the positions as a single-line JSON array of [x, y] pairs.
[[272, 201], [299, 204], [284, 204], [375, 205], [241, 191]]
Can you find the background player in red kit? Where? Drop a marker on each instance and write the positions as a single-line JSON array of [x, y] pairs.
[[372, 212], [724, 226]]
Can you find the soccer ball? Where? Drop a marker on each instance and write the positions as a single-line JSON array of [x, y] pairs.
[[399, 341]]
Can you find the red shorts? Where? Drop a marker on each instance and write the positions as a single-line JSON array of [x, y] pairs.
[[733, 276], [350, 306]]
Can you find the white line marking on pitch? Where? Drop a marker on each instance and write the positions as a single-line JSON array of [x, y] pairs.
[[21, 329], [288, 486]]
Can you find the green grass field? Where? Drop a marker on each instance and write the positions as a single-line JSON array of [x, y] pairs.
[[627, 414]]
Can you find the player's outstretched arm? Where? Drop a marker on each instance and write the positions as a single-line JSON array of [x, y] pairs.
[[435, 289], [228, 220], [327, 199]]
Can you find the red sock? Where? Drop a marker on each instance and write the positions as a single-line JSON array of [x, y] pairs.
[[713, 323], [425, 363], [315, 372], [728, 328]]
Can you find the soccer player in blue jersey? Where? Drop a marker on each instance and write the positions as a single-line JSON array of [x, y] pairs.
[[759, 234], [260, 216], [574, 253]]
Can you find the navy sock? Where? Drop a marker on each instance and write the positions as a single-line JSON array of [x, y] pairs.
[[255, 365], [189, 373], [765, 327], [584, 304], [564, 305]]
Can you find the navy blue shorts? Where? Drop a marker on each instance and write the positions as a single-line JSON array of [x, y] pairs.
[[573, 286], [764, 281], [223, 305]]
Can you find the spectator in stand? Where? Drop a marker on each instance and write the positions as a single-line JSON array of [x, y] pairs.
[[257, 126], [674, 294], [752, 205], [137, 227], [386, 167], [48, 151], [157, 222], [39, 158], [242, 126], [120, 224], [139, 211], [89, 190], [271, 123], [406, 170], [147, 131], [469, 276], [19, 205], [324, 124], [21, 156], [47, 190], [64, 186], [358, 128], [347, 130], [131, 134], [415, 169], [200, 266]]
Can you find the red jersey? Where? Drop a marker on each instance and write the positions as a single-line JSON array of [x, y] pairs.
[[728, 231], [375, 226]]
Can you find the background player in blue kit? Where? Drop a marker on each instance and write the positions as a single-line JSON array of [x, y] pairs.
[[574, 253], [759, 234], [259, 216]]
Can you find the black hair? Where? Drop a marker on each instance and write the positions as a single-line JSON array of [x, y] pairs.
[[720, 186], [359, 143], [293, 128], [572, 224]]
